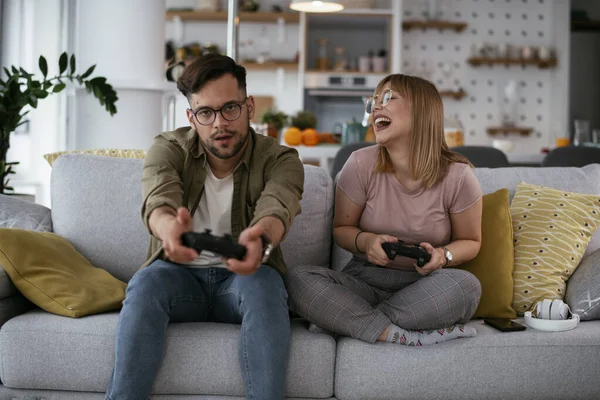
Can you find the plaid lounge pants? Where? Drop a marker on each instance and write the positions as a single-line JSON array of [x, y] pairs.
[[363, 299]]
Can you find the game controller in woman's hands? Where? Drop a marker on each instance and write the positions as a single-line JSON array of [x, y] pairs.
[[392, 249]]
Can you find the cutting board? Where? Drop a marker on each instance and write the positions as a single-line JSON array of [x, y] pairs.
[[262, 104]]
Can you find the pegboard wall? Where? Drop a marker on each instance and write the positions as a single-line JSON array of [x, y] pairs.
[[441, 56]]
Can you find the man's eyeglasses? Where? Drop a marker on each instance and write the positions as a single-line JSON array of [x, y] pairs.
[[230, 112], [372, 101]]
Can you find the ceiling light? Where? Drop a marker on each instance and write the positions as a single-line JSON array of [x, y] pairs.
[[316, 6]]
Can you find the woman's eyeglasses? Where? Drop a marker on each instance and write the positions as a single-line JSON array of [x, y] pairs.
[[372, 101]]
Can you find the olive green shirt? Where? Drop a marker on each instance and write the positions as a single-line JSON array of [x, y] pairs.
[[268, 181]]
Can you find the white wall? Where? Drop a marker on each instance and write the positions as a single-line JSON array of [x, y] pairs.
[[125, 39]]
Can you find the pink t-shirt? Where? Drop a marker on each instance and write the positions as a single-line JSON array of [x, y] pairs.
[[420, 215]]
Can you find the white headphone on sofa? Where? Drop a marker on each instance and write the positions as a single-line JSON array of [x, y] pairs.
[[551, 315]]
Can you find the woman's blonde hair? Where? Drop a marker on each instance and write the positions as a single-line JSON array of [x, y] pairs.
[[430, 156]]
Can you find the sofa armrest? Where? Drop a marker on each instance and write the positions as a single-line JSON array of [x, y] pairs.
[[583, 288], [22, 214]]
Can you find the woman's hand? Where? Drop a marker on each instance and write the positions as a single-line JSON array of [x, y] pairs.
[[375, 253], [436, 262]]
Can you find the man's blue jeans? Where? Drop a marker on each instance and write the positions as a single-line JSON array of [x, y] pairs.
[[164, 292]]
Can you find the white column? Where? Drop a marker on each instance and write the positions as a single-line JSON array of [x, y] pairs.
[[126, 41]]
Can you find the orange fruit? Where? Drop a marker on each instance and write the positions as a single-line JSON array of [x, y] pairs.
[[310, 137], [292, 136]]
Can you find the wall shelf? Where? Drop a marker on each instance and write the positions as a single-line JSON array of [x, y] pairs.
[[289, 17], [506, 129], [456, 94], [478, 61], [418, 24], [270, 65]]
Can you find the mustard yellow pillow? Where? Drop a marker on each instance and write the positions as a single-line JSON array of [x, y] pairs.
[[552, 229], [48, 270], [494, 263], [122, 153]]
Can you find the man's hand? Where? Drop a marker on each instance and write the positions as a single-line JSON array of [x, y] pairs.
[[169, 230], [375, 253], [436, 262], [250, 237]]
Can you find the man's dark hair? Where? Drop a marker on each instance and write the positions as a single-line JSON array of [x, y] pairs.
[[207, 68]]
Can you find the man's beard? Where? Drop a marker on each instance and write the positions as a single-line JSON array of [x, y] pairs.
[[226, 153]]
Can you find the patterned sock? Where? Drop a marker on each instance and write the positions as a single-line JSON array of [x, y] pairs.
[[424, 337]]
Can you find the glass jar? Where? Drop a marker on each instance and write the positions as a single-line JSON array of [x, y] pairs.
[[340, 60], [323, 55], [453, 132]]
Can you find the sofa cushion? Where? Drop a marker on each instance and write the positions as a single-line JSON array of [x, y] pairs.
[[44, 351], [96, 206], [580, 180], [583, 288], [54, 276], [494, 263], [309, 239], [18, 213], [531, 365], [552, 229]]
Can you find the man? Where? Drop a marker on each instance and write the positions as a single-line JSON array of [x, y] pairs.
[[218, 175]]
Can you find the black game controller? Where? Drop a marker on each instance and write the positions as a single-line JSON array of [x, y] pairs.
[[223, 245], [401, 249]]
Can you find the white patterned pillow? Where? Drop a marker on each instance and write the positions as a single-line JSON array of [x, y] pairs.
[[122, 153], [552, 229]]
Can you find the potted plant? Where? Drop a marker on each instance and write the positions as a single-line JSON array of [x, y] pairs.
[[20, 89], [304, 120], [275, 120]]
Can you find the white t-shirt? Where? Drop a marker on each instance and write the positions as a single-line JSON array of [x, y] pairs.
[[214, 213]]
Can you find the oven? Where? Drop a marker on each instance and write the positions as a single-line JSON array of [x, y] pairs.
[[338, 98]]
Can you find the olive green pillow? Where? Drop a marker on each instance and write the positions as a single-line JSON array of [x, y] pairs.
[[48, 270], [494, 263], [552, 230]]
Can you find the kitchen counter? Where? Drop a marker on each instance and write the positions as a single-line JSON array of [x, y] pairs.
[[325, 153]]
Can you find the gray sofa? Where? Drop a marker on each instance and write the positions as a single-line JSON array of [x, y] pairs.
[[96, 206]]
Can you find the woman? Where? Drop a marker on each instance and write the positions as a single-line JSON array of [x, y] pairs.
[[408, 187]]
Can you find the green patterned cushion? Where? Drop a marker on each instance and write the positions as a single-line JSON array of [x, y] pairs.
[[552, 229]]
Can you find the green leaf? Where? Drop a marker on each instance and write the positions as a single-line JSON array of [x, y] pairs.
[[33, 101], [24, 73], [15, 70], [47, 85], [88, 72], [62, 63], [40, 94], [43, 66], [59, 87], [7, 72], [99, 80], [72, 64]]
